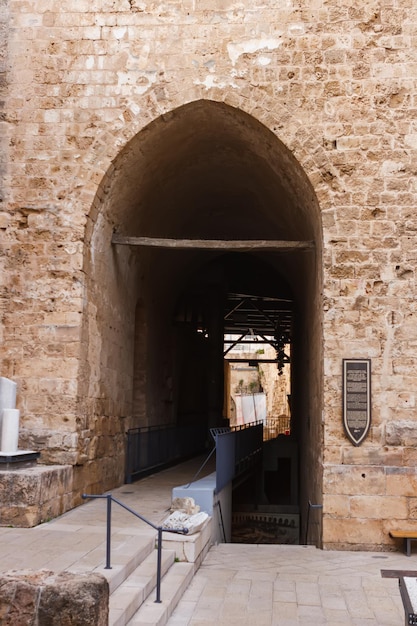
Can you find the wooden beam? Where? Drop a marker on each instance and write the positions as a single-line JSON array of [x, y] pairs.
[[255, 360], [211, 244]]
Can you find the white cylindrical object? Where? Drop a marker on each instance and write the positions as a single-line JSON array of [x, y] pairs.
[[7, 393], [10, 431]]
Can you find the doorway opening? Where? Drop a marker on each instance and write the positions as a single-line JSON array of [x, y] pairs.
[[258, 339], [251, 349], [216, 233]]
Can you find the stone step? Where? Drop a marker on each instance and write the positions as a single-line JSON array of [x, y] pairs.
[[130, 595], [132, 577], [127, 552], [174, 583]]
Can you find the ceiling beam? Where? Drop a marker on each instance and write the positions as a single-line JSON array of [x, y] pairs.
[[256, 360], [254, 342], [236, 342], [211, 244]]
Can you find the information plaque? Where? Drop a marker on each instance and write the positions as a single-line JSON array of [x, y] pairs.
[[356, 398]]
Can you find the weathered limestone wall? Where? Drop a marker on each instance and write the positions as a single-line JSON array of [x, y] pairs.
[[276, 387], [335, 83], [4, 23]]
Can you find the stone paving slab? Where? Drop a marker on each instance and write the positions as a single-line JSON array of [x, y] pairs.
[[254, 585]]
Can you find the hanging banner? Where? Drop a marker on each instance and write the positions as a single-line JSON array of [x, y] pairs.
[[357, 398]]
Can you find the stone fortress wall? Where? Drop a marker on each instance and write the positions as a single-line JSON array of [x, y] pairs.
[[336, 83]]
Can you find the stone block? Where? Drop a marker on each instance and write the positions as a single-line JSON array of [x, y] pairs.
[[20, 516], [409, 457], [190, 548], [401, 481], [179, 520], [412, 508], [401, 433], [43, 597], [379, 507], [186, 505], [4, 219], [338, 506], [353, 531], [29, 496], [353, 480], [373, 455], [333, 455]]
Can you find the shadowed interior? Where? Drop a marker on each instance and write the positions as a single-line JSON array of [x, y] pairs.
[[204, 171]]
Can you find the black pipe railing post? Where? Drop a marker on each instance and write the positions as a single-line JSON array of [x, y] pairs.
[[158, 566], [159, 529], [108, 538], [310, 506]]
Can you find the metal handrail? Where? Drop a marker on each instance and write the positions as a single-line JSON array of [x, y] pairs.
[[150, 447], [310, 506], [221, 524], [159, 529]]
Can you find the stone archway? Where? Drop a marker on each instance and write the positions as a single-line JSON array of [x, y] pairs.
[[208, 171]]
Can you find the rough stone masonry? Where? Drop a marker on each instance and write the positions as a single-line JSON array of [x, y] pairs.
[[30, 598], [111, 112]]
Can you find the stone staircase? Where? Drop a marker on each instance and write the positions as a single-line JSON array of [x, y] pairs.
[[132, 577]]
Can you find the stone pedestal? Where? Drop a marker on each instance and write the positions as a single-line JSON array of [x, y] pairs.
[[30, 496]]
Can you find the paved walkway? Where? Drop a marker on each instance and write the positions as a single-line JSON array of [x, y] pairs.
[[264, 585], [63, 541], [253, 585]]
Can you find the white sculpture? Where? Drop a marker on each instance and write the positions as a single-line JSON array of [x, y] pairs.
[[180, 521], [9, 431], [9, 417]]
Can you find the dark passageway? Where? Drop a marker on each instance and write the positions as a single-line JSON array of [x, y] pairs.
[[209, 173]]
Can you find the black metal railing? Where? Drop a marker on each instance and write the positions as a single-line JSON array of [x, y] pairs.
[[311, 507], [159, 529], [152, 447], [275, 426], [237, 449]]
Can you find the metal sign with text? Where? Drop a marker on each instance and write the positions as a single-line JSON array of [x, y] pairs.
[[357, 398]]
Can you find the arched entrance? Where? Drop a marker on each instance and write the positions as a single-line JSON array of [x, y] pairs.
[[204, 172]]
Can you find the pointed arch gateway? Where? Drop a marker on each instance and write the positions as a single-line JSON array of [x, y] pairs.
[[205, 172]]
